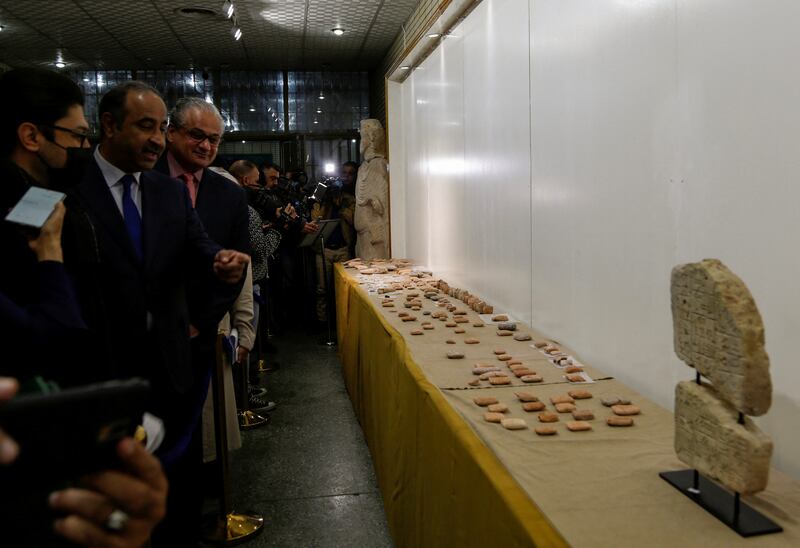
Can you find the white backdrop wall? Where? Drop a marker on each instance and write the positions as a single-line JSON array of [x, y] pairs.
[[559, 157]]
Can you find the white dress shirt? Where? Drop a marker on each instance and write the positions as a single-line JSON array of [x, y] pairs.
[[113, 176]]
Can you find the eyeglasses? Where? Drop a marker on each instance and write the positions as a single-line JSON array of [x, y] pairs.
[[84, 137], [198, 136]]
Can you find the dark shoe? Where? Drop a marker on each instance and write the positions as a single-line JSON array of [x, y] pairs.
[[260, 405], [257, 391]]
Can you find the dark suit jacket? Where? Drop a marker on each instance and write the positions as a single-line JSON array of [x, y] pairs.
[[117, 290], [222, 207]]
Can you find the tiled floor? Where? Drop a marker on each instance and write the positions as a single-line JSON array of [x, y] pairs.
[[309, 472]]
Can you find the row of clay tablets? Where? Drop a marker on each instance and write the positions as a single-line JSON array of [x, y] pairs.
[[563, 403], [493, 373]]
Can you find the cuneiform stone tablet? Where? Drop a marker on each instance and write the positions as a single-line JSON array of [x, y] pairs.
[[561, 398], [718, 330], [478, 324], [483, 401], [548, 416], [455, 355], [514, 424], [459, 331], [500, 318], [519, 373], [608, 401], [498, 408], [565, 407], [499, 381], [417, 332], [499, 351], [619, 421], [575, 377], [525, 396], [471, 340], [504, 357], [474, 382], [450, 341], [582, 414], [532, 406], [522, 337], [427, 327], [573, 369], [580, 394], [507, 326], [501, 333], [545, 430], [450, 324], [578, 426], [493, 417], [709, 438]]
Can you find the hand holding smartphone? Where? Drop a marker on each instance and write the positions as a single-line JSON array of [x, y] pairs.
[[35, 207]]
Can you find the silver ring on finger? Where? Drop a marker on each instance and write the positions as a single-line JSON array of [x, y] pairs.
[[116, 520]]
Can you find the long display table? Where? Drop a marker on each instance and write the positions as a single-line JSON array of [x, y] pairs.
[[450, 478]]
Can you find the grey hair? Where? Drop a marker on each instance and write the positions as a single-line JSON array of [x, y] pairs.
[[177, 116]]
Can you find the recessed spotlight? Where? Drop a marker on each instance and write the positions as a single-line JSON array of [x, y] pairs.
[[236, 32], [354, 140], [319, 111], [85, 79], [321, 95], [338, 31], [243, 141], [316, 121], [252, 109], [434, 35], [405, 67], [60, 64]]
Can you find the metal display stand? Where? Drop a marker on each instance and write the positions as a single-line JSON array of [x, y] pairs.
[[227, 527], [726, 507], [310, 241], [247, 418]]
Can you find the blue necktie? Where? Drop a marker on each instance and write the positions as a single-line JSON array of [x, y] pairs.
[[133, 221]]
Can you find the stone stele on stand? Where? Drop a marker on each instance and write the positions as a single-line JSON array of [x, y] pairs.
[[709, 438], [718, 331]]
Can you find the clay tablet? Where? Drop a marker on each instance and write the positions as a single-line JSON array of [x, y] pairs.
[[522, 337], [417, 332], [498, 381], [531, 406], [619, 421], [478, 324], [531, 378], [514, 424], [504, 333], [499, 351], [578, 426], [453, 355], [582, 414], [561, 398], [625, 410], [428, 327], [470, 340], [525, 396], [500, 318], [545, 430], [565, 407], [548, 417], [709, 438], [580, 394], [483, 401], [573, 369], [718, 330], [498, 408], [459, 331], [493, 417]]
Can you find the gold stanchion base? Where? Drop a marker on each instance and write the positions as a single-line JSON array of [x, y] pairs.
[[248, 420], [262, 366], [239, 527]]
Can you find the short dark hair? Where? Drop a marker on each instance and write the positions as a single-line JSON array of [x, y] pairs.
[[351, 164], [114, 101], [270, 165], [34, 95], [240, 168]]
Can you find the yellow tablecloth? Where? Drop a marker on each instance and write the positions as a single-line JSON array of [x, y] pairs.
[[449, 478]]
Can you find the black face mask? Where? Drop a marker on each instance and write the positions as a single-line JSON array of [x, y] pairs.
[[63, 178]]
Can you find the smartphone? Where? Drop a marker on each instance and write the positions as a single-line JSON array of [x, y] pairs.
[[75, 431], [34, 207]]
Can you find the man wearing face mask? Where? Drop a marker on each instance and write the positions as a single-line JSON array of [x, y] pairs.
[[43, 121], [42, 127]]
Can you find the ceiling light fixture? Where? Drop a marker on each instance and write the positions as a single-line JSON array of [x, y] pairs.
[[252, 109], [405, 67], [321, 95], [60, 64], [85, 79], [236, 32], [434, 35], [319, 111], [338, 31], [243, 141], [316, 121], [228, 9]]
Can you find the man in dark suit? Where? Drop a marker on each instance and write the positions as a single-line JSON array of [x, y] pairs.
[[149, 245], [193, 137]]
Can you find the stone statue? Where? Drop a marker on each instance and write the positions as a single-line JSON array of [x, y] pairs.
[[372, 194], [719, 332]]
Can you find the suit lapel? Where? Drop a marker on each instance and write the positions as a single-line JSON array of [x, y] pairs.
[[95, 194]]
